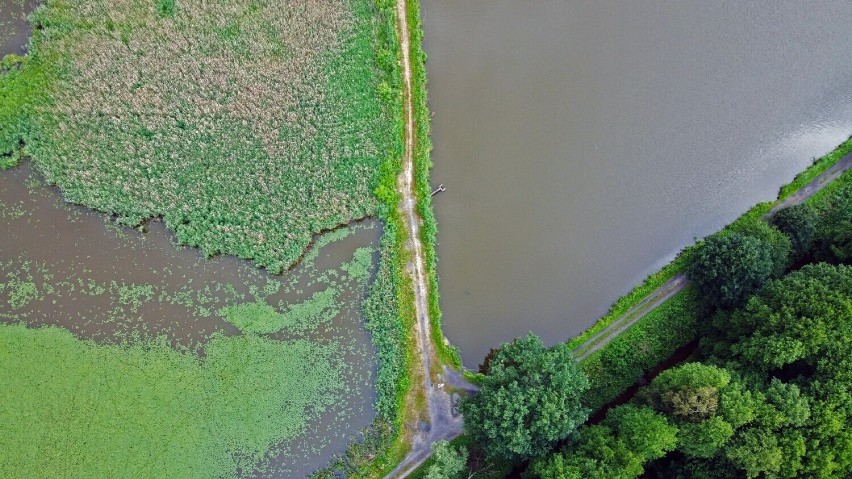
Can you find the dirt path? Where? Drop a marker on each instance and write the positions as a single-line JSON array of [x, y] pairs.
[[444, 421], [679, 281], [637, 312]]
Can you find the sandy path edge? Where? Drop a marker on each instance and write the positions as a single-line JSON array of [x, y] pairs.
[[443, 424]]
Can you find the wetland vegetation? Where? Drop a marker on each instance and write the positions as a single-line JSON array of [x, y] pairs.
[[145, 112], [243, 128]]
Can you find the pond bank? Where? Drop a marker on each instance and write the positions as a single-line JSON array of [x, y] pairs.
[[622, 347]]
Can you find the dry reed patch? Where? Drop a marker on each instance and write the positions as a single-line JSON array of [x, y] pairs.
[[247, 125]]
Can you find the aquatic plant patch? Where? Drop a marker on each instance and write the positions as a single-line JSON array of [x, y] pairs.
[[261, 318], [76, 409], [248, 126], [126, 294]]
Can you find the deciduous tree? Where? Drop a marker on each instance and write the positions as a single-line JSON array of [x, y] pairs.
[[529, 400], [799, 223], [727, 268], [449, 462]]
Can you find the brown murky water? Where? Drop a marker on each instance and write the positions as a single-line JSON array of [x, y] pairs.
[[110, 284], [583, 144], [14, 30]]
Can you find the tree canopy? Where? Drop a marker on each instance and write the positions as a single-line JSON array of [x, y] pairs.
[[617, 449], [771, 396], [729, 267], [449, 462], [799, 223], [528, 401]]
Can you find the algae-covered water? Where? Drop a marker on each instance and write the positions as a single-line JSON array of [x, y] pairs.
[[247, 372]]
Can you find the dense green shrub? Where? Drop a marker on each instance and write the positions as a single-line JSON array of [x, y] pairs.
[[646, 344], [449, 462], [629, 437], [834, 230], [804, 316], [529, 400], [769, 399], [799, 223], [773, 240], [724, 431], [728, 267], [689, 392], [789, 354]]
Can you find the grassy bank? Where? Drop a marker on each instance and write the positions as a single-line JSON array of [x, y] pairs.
[[673, 324], [655, 280], [819, 166], [422, 166]]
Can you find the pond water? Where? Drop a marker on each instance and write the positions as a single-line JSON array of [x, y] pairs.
[[14, 29], [583, 144], [111, 284]]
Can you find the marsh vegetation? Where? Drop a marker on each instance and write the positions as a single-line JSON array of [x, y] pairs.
[[243, 128], [246, 126]]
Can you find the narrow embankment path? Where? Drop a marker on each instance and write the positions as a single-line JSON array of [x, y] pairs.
[[443, 421], [679, 281]]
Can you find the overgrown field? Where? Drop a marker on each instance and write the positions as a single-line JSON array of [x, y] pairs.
[[247, 125]]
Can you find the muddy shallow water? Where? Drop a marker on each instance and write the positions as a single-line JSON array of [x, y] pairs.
[[111, 284], [583, 144], [14, 29]]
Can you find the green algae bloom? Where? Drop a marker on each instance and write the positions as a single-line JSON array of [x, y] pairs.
[[72, 408]]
